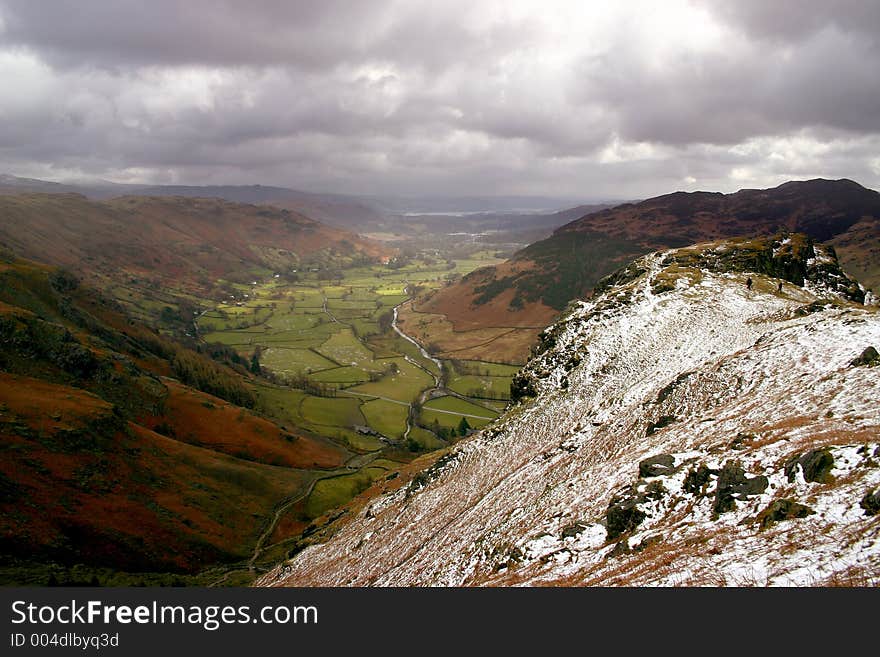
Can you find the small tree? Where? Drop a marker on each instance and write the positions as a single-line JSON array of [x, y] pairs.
[[463, 427], [255, 361]]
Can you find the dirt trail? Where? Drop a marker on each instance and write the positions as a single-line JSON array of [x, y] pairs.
[[353, 464]]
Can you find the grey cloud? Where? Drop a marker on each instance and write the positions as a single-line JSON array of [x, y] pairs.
[[793, 20], [727, 96], [130, 32], [451, 97], [290, 33]]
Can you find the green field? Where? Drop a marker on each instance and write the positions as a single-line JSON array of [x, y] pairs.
[[287, 360], [424, 439], [340, 411], [331, 342], [335, 491], [492, 387], [289, 320], [481, 380], [386, 417], [342, 377], [448, 411], [482, 368], [345, 349], [404, 385]]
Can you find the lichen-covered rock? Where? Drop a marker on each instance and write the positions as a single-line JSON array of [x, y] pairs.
[[623, 513], [669, 388], [522, 386], [663, 421], [646, 542], [620, 549], [657, 466], [868, 358], [734, 485], [810, 308], [871, 503], [740, 441], [655, 491], [783, 509], [572, 530], [697, 480], [816, 464]]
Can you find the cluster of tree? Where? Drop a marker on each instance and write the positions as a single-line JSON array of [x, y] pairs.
[[390, 369], [385, 320], [482, 393], [212, 368], [63, 280], [399, 261], [450, 433], [180, 318], [223, 291], [199, 372], [220, 352], [330, 275], [316, 388], [255, 361]]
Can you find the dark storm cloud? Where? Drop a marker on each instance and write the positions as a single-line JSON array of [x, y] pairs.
[[132, 33], [230, 33], [460, 97]]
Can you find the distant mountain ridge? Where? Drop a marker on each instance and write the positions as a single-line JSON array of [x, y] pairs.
[[540, 280], [354, 212]]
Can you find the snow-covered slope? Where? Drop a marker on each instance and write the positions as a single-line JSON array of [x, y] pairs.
[[684, 429]]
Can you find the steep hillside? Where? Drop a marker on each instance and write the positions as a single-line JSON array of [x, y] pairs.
[[542, 278], [15, 185], [183, 244], [682, 427], [335, 209], [111, 455]]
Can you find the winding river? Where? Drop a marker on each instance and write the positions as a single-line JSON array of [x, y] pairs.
[[438, 380]]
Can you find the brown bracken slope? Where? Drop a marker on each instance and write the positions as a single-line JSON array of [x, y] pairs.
[[186, 242], [111, 455]]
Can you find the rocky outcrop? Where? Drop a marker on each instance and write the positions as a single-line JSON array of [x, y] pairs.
[[868, 358], [815, 465]]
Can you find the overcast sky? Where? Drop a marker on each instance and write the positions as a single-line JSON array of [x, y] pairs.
[[407, 97]]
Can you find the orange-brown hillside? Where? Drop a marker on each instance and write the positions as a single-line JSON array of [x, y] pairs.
[[123, 449], [188, 242], [82, 485], [454, 325]]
